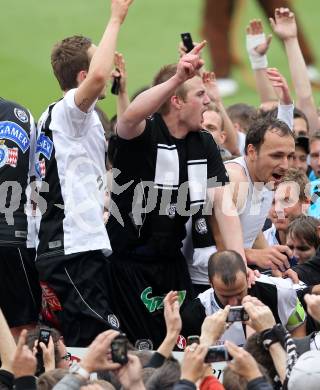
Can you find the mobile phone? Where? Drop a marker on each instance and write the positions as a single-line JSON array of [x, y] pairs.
[[44, 336], [187, 41], [119, 349], [237, 313], [217, 353], [115, 88], [194, 339]]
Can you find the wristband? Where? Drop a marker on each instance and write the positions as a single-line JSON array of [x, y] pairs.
[[77, 369], [257, 61], [274, 335]]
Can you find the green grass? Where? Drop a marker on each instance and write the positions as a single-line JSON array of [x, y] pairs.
[[148, 39]]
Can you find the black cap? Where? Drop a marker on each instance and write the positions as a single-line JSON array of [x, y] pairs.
[[303, 142]]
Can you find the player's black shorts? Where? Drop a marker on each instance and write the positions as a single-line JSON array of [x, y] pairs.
[[76, 296], [139, 285], [20, 293]]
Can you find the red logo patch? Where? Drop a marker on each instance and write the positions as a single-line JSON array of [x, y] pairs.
[[181, 342]]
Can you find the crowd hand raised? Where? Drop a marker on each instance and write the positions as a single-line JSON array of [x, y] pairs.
[[120, 71], [98, 355], [257, 42], [210, 82], [172, 314], [243, 363], [193, 366], [214, 326], [130, 375], [313, 305], [119, 9], [280, 85], [284, 24], [251, 276], [190, 63], [24, 361], [260, 316]]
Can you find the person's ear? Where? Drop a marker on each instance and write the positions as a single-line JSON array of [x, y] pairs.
[[176, 102], [251, 152], [223, 136], [81, 76]]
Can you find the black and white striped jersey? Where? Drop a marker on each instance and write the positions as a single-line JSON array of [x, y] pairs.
[[17, 144], [70, 161]]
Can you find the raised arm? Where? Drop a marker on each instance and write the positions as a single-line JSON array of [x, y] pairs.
[[120, 71], [7, 345], [257, 46], [284, 25], [231, 142], [102, 61], [132, 122]]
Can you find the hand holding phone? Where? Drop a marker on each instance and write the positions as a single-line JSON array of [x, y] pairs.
[[119, 349]]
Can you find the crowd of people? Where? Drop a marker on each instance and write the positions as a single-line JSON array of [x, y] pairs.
[[180, 224]]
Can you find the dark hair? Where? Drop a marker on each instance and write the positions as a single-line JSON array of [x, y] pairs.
[[243, 114], [305, 228], [300, 114], [234, 381], [315, 137], [226, 264], [164, 74], [164, 377], [68, 58], [258, 129]]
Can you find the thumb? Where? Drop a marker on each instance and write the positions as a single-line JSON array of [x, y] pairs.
[[272, 23]]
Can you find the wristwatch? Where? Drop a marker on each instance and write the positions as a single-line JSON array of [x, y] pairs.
[[274, 335], [78, 370]]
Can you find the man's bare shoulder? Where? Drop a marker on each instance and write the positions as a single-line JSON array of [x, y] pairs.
[[236, 172]]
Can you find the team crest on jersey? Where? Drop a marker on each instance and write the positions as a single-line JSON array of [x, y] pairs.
[[44, 146], [181, 342], [171, 210], [40, 168], [113, 321], [13, 132], [21, 115], [8, 156], [201, 226], [144, 345]]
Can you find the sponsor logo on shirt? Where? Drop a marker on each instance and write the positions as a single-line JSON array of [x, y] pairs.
[[21, 115], [8, 156], [156, 303], [44, 146], [13, 132]]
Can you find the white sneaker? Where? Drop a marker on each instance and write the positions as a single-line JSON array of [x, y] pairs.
[[313, 73], [227, 87]]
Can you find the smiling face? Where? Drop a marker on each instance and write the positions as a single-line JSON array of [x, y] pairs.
[[299, 159], [271, 161], [285, 207], [194, 104]]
